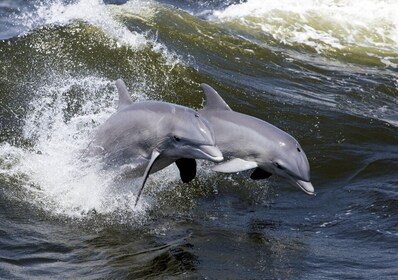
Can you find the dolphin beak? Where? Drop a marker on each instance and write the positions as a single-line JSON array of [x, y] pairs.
[[211, 153], [307, 187]]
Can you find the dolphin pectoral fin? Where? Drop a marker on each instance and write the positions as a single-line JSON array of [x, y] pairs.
[[259, 174], [187, 167], [235, 165], [154, 156]]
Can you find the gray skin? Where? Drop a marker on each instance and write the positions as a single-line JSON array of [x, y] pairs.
[[247, 142], [145, 137]]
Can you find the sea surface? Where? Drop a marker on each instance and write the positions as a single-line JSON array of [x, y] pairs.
[[325, 71]]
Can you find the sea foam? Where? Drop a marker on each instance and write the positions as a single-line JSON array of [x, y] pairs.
[[369, 27], [93, 12]]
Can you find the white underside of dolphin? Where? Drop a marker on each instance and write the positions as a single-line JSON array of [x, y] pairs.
[[250, 143]]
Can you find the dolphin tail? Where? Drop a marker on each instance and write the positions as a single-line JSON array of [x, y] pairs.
[[154, 156]]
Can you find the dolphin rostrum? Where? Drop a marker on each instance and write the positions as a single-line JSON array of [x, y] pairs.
[[148, 136], [250, 143]]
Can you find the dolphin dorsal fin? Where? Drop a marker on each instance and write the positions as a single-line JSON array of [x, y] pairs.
[[213, 99], [124, 96]]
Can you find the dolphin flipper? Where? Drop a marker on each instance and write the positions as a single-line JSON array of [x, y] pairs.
[[259, 174], [235, 165], [213, 100], [124, 96], [187, 167], [154, 156]]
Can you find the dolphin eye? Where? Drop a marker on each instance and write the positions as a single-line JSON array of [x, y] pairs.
[[298, 150], [178, 139], [196, 115]]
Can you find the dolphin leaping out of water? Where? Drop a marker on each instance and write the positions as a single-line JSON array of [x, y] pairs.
[[250, 143], [148, 136]]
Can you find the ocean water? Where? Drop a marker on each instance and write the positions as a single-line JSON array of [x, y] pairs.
[[325, 71]]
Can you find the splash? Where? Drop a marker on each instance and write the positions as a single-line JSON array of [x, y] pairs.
[[50, 169], [54, 172], [368, 28]]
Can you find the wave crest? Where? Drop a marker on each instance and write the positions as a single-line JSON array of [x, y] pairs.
[[368, 28]]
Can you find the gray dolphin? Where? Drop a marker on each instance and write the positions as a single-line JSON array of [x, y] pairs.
[[247, 142], [148, 136]]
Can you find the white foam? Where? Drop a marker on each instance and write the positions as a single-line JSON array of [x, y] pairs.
[[322, 24], [54, 173], [106, 17], [94, 12]]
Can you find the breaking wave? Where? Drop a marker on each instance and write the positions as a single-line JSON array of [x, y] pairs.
[[334, 27]]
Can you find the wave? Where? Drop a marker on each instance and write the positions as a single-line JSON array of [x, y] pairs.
[[367, 30], [105, 17], [93, 12]]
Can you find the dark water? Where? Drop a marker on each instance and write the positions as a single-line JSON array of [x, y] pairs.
[[324, 71]]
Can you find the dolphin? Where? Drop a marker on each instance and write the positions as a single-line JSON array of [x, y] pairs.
[[250, 143], [150, 135]]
